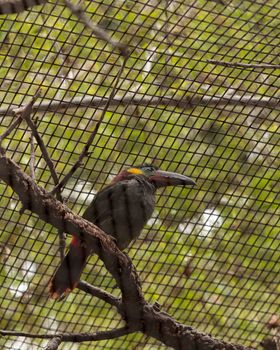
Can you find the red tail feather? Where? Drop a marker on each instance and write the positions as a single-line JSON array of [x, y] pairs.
[[69, 272]]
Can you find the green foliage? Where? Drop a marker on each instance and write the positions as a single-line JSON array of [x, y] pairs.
[[211, 254]]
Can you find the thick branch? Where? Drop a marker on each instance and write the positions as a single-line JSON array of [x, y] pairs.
[[155, 324], [161, 326], [138, 315], [54, 212]]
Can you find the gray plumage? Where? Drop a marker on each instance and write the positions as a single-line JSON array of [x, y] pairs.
[[123, 208], [120, 210]]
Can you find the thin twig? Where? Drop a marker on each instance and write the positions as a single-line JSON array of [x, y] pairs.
[[84, 152], [101, 34], [99, 293], [96, 30], [24, 112], [32, 158], [244, 65], [72, 337], [10, 129], [43, 149], [180, 102], [21, 113], [54, 175]]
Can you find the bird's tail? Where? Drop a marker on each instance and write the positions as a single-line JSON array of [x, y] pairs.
[[69, 272]]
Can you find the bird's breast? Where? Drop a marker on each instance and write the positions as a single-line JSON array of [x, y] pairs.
[[122, 210]]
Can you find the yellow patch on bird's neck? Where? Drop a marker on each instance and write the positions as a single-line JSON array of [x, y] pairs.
[[135, 171]]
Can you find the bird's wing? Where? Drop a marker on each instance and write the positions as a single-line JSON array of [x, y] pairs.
[[121, 210]]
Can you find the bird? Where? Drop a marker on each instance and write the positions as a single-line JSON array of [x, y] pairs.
[[17, 6], [121, 209]]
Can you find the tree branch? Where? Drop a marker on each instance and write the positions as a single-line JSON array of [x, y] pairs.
[[244, 65], [99, 293], [57, 214], [139, 316], [84, 152], [32, 126], [13, 125], [96, 30], [180, 102], [71, 337], [32, 158], [24, 112]]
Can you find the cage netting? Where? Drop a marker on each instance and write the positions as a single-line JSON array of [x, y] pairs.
[[198, 95]]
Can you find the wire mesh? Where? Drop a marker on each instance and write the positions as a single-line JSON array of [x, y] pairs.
[[210, 254]]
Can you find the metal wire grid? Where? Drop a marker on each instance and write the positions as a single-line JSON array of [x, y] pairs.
[[215, 270]]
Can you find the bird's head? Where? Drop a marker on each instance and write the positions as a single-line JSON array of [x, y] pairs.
[[157, 177]]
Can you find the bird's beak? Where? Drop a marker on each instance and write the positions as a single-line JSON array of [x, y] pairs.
[[166, 178]]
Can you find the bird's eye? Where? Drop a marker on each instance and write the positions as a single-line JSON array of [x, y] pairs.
[[149, 170]]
